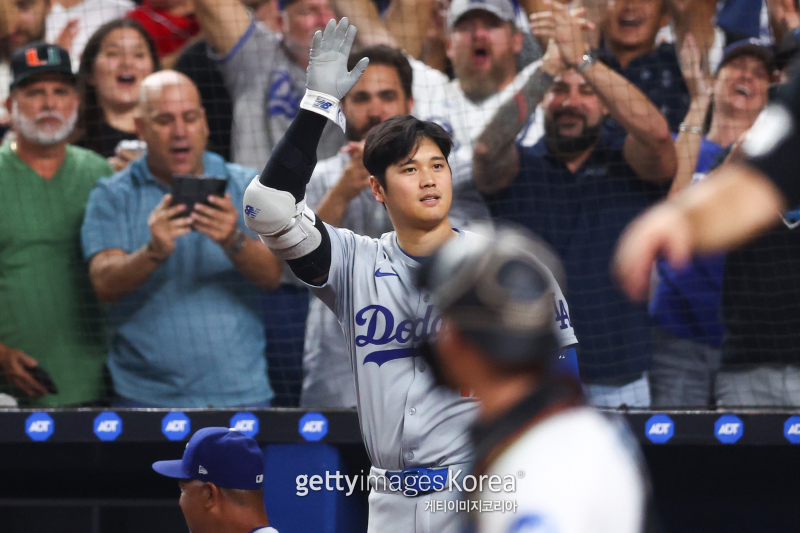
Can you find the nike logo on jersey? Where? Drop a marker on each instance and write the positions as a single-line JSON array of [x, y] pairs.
[[379, 274]]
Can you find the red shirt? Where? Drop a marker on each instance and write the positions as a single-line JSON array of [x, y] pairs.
[[170, 32]]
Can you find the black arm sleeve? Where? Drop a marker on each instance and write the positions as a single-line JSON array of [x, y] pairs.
[[779, 124], [289, 169], [295, 156]]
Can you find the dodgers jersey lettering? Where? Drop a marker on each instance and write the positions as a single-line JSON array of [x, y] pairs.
[[406, 419]]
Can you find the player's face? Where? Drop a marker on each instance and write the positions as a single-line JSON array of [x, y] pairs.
[[302, 18], [191, 502], [418, 188], [633, 24], [741, 86], [571, 105], [378, 95], [482, 49], [175, 129]]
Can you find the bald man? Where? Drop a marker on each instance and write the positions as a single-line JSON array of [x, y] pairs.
[[182, 289]]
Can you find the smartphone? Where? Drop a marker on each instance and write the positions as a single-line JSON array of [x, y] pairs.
[[189, 190], [40, 374]]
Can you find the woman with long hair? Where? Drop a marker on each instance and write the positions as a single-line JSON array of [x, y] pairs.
[[116, 59]]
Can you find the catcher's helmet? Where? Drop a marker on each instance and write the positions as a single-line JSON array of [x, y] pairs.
[[499, 293]]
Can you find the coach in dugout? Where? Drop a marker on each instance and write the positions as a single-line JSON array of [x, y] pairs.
[[578, 190], [182, 290], [49, 317], [339, 191]]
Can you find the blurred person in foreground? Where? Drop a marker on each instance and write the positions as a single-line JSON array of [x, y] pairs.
[[117, 58], [577, 188], [49, 317], [340, 193], [182, 290], [221, 476], [26, 26], [686, 301], [582, 470], [750, 196]]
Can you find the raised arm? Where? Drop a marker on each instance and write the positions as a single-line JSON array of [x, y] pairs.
[[364, 14], [495, 159], [649, 148], [224, 22], [687, 145], [275, 201]]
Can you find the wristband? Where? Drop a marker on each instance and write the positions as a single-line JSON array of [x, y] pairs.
[[325, 105], [691, 129]]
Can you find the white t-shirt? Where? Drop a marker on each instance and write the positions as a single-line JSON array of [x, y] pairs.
[[579, 472], [92, 14]]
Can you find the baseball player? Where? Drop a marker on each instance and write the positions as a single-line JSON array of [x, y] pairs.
[[557, 464], [411, 427], [221, 476]]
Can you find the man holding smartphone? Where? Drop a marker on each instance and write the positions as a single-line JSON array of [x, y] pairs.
[[187, 331]]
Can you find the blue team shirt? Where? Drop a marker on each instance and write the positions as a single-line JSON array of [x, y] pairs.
[[191, 335], [687, 301], [582, 215]]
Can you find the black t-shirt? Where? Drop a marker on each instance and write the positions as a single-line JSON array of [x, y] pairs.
[[195, 63], [106, 140]]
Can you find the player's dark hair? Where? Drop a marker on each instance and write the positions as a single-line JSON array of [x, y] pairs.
[[380, 54], [397, 138]]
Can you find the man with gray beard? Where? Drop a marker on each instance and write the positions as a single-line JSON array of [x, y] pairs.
[[49, 317]]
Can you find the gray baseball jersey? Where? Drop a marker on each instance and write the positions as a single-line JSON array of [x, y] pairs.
[[266, 87], [406, 419], [327, 372]]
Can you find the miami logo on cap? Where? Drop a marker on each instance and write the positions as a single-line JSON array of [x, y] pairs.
[[32, 57]]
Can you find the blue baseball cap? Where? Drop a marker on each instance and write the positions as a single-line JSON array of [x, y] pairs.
[[747, 47], [221, 456]]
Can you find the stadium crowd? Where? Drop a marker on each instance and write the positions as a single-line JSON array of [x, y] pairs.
[[568, 120]]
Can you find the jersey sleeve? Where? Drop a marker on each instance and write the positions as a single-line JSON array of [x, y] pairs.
[[337, 291], [772, 144], [563, 323]]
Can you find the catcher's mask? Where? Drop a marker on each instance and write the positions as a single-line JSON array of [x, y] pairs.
[[498, 292]]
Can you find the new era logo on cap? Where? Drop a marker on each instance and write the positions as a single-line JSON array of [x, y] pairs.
[[202, 470]]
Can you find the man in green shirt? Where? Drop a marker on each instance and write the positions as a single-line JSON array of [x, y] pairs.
[[48, 314]]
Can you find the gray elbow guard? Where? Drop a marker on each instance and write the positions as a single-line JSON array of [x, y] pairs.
[[285, 227]]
